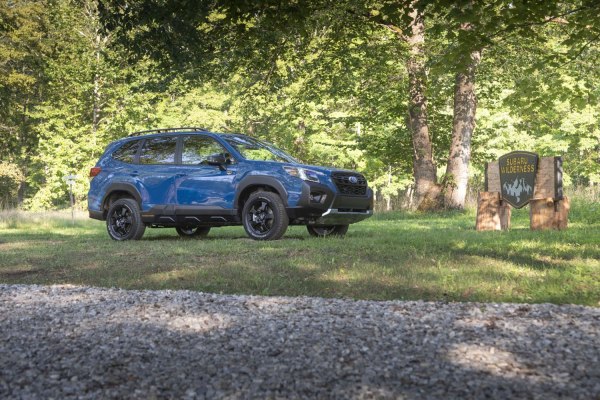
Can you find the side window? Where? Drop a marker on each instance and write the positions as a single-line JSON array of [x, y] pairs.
[[197, 148], [159, 150], [127, 152]]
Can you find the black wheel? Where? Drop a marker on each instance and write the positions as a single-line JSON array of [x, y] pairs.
[[264, 216], [327, 230], [192, 231], [124, 220]]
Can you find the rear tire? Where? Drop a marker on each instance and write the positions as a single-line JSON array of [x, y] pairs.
[[192, 231], [264, 216], [327, 230], [124, 220]]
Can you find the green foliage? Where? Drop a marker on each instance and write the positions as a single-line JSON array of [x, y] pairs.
[[11, 178], [23, 51], [325, 81]]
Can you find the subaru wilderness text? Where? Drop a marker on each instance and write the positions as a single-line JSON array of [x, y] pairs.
[[193, 180]]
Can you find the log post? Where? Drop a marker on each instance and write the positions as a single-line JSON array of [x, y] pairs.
[[562, 208], [504, 212], [492, 213], [549, 213]]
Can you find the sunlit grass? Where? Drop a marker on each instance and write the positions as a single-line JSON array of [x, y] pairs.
[[391, 256]]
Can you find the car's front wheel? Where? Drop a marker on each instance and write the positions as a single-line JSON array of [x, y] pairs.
[[192, 231], [124, 220], [264, 216], [327, 230]]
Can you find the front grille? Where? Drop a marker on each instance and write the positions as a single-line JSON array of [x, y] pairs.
[[342, 181]]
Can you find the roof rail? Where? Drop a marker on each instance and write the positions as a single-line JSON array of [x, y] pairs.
[[162, 130]]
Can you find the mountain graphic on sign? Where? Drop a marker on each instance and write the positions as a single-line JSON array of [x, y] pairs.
[[517, 188]]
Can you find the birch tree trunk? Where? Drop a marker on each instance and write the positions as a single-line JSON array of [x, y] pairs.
[[463, 126]]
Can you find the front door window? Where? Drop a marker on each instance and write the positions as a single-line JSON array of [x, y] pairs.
[[196, 150]]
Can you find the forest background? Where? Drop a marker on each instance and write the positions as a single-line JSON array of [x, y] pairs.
[[417, 95]]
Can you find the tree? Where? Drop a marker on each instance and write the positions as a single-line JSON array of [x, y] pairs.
[[387, 87], [261, 34], [23, 26]]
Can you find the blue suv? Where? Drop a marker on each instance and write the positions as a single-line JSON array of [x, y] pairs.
[[192, 180]]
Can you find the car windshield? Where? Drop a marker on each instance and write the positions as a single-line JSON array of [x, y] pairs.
[[257, 150]]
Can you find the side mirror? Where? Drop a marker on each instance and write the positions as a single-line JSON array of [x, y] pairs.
[[217, 160]]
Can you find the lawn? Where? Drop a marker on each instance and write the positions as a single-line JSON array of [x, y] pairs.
[[396, 255]]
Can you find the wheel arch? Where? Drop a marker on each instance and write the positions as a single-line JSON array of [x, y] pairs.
[[252, 184], [118, 191]]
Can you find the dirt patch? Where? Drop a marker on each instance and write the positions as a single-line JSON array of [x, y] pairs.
[[20, 273]]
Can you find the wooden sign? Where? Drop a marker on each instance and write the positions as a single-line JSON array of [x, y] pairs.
[[549, 207], [548, 180], [517, 177]]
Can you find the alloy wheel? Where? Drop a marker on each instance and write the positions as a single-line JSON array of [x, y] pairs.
[[121, 221]]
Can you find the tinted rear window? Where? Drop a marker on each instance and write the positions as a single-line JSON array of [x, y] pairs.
[[159, 150], [127, 152]]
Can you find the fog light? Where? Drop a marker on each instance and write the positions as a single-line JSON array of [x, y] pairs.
[[317, 197]]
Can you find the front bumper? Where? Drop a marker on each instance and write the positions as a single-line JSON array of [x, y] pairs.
[[331, 208]]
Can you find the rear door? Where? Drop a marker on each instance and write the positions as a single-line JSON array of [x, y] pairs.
[[203, 189]]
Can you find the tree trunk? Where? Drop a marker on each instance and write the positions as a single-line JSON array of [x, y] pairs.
[[424, 169], [463, 125], [95, 106], [389, 184]]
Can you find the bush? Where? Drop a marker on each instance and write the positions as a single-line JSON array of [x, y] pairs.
[[10, 181]]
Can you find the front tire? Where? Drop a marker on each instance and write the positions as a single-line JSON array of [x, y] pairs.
[[124, 220], [327, 230], [192, 231], [264, 216]]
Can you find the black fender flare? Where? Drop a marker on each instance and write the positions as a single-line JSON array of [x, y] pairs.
[[261, 180], [122, 187]]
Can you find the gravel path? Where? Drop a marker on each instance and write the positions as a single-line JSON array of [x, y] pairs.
[[77, 342]]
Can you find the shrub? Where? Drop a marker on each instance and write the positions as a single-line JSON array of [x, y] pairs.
[[10, 181]]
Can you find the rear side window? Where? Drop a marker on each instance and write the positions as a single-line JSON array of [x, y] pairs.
[[159, 150], [127, 152], [197, 148]]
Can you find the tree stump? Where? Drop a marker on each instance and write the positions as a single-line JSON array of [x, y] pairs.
[[549, 213], [492, 213]]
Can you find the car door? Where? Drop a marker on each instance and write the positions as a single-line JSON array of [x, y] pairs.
[[156, 172], [201, 188]]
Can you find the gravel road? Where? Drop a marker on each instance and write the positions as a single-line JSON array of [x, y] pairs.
[[79, 342]]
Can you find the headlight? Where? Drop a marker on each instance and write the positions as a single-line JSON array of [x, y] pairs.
[[302, 173]]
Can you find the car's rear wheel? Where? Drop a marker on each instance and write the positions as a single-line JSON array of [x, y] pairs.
[[327, 230], [264, 216], [124, 220], [188, 231]]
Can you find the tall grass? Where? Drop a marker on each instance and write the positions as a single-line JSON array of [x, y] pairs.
[[19, 219], [401, 202]]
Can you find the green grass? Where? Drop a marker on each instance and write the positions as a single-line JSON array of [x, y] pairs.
[[391, 256]]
